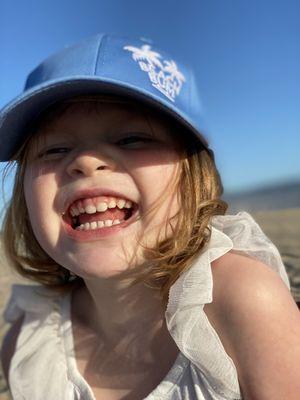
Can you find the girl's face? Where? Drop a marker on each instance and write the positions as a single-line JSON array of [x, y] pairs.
[[90, 157]]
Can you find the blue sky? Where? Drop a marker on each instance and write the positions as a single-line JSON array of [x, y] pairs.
[[245, 55]]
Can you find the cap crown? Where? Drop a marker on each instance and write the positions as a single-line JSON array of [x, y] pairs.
[[104, 64], [134, 62]]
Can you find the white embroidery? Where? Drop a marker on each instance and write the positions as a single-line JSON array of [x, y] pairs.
[[164, 75]]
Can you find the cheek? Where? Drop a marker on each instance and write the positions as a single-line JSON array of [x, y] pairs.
[[158, 185], [162, 176], [39, 195], [159, 163]]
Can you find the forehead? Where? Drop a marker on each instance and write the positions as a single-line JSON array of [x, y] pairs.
[[103, 112], [103, 116]]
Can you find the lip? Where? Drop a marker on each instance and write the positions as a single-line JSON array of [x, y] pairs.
[[89, 193], [92, 235]]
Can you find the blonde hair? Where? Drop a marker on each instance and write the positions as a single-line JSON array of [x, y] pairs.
[[197, 185]]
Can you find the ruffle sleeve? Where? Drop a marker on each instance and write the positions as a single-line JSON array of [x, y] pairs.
[[248, 238], [38, 368], [27, 298], [185, 317]]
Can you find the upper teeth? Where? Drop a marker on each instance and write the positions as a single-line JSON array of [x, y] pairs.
[[101, 206]]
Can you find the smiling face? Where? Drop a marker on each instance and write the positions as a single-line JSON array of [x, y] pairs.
[[91, 156]]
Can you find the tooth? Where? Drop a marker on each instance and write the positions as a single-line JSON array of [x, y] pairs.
[[81, 210], [101, 207], [112, 204], [128, 204], [94, 225], [108, 222], [90, 209], [74, 212], [116, 222], [100, 224], [80, 227], [121, 203], [86, 226]]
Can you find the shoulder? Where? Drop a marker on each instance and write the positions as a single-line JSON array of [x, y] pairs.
[[239, 271], [241, 281], [258, 323], [9, 345]]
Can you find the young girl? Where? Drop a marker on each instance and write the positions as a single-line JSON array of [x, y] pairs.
[[146, 289]]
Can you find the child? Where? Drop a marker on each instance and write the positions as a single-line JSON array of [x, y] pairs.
[[146, 289]]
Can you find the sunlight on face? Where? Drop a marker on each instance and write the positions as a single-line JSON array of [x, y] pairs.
[[96, 148]]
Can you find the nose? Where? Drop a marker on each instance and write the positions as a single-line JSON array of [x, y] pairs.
[[89, 164]]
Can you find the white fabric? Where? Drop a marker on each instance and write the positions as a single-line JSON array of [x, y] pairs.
[[44, 364]]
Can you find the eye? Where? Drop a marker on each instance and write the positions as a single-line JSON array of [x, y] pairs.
[[133, 139], [53, 151]]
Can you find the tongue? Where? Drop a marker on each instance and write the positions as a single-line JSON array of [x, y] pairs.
[[111, 213]]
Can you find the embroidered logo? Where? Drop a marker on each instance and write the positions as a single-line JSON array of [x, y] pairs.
[[164, 74]]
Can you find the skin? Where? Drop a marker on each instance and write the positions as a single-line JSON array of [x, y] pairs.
[[252, 311], [258, 323], [92, 157]]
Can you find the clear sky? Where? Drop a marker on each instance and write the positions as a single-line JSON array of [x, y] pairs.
[[245, 54]]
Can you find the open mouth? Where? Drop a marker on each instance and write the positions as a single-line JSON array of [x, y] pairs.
[[98, 213]]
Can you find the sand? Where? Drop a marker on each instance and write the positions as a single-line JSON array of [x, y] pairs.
[[283, 228]]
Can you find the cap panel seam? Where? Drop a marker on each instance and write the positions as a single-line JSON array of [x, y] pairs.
[[100, 45], [190, 91]]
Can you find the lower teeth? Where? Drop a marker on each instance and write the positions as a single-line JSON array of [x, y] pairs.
[[97, 225]]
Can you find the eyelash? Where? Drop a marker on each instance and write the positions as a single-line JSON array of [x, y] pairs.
[[53, 151], [60, 150], [140, 138]]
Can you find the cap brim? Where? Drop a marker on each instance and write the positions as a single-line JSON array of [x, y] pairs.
[[24, 109]]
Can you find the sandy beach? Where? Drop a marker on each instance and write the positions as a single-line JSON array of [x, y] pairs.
[[282, 227]]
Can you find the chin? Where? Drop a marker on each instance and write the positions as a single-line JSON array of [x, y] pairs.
[[99, 274], [88, 267]]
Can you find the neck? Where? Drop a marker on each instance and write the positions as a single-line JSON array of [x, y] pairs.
[[126, 319]]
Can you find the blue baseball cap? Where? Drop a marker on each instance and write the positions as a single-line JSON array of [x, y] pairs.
[[103, 64]]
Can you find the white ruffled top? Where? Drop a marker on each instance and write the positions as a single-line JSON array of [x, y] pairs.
[[44, 364]]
